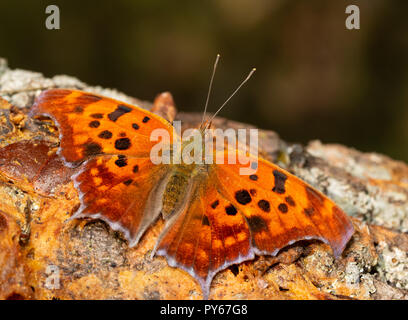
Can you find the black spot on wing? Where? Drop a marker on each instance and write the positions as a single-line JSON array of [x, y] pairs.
[[120, 111], [92, 148], [215, 204], [243, 197], [253, 177], [264, 205], [230, 210], [97, 115], [283, 208], [79, 109], [128, 182], [121, 162], [205, 221], [280, 179], [105, 134], [135, 126], [290, 201], [122, 144], [135, 168], [145, 119], [94, 124], [309, 211]]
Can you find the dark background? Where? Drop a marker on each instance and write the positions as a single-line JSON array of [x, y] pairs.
[[315, 79]]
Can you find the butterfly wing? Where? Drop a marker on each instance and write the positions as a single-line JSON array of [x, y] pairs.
[[206, 236], [232, 217], [117, 183], [127, 197], [281, 209], [93, 125]]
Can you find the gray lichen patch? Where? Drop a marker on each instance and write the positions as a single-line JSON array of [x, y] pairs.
[[13, 81], [393, 265], [95, 248], [20, 87]]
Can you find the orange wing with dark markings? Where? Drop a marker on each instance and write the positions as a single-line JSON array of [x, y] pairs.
[[117, 183], [207, 236], [281, 209], [127, 198], [232, 217], [92, 125]]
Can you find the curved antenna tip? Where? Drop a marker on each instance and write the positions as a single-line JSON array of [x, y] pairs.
[[229, 98], [210, 88]]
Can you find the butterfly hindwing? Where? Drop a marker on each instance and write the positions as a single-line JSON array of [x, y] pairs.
[[207, 236], [123, 191], [231, 217], [281, 209]]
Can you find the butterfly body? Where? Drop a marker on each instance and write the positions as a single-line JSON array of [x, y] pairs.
[[214, 215], [176, 191]]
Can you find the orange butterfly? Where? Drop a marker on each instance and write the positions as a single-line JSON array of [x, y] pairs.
[[214, 216]]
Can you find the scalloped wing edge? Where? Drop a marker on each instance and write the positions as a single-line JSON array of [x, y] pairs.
[[205, 283]]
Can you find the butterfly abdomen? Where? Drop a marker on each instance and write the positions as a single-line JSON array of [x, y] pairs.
[[176, 190]]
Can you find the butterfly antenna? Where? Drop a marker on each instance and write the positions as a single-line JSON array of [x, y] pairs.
[[209, 89], [233, 94]]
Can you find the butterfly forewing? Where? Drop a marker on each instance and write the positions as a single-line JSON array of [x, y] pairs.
[[118, 183], [92, 125]]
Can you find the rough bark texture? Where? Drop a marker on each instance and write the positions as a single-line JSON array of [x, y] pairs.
[[94, 262]]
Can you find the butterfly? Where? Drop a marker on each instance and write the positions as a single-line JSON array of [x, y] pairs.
[[214, 216]]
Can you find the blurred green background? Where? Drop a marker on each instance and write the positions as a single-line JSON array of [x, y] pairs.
[[315, 79]]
